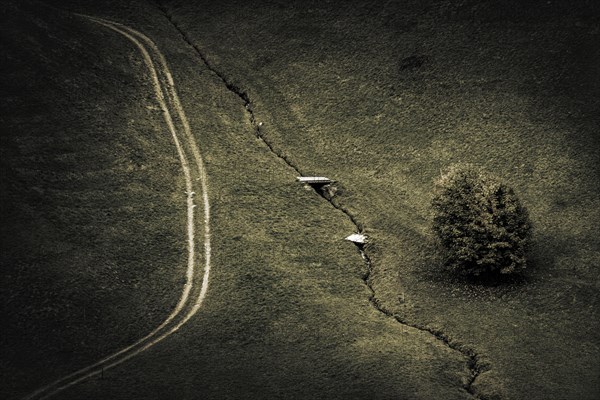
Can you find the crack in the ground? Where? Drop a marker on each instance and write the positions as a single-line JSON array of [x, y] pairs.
[[242, 94], [473, 362]]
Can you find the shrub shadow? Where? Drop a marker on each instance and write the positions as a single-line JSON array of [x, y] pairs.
[[486, 285]]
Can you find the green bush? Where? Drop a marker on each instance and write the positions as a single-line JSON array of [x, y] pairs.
[[480, 222]]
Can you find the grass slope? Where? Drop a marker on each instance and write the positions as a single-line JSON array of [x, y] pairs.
[[381, 97], [93, 197], [93, 219]]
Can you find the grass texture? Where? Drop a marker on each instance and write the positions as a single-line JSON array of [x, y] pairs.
[[381, 97]]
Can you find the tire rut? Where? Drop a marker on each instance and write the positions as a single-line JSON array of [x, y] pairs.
[[166, 95]]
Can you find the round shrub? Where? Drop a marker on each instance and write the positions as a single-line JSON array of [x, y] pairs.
[[480, 222]]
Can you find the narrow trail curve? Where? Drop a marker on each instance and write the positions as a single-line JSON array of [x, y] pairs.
[[175, 320], [473, 363]]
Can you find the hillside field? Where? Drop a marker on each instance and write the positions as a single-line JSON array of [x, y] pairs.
[[379, 96]]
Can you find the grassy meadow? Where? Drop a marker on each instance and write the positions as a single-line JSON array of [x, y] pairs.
[[93, 245], [382, 97], [377, 95]]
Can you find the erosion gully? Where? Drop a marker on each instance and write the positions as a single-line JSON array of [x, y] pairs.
[[473, 362]]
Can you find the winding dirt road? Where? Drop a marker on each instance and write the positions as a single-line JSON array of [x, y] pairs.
[[178, 126]]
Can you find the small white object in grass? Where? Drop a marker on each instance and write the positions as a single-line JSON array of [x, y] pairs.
[[260, 124], [313, 179], [357, 238]]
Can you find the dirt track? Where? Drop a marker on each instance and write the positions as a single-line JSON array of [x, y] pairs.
[[161, 78]]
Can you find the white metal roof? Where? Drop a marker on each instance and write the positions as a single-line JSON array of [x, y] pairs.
[[357, 238], [313, 179]]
